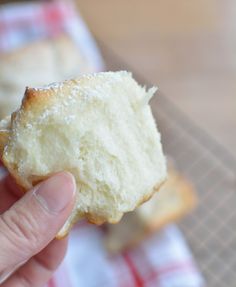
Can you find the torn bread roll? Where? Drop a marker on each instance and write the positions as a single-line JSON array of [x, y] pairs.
[[98, 127]]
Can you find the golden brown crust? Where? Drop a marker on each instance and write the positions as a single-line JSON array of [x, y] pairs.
[[4, 134], [189, 199], [12, 169], [36, 99], [145, 227], [141, 230], [98, 220], [63, 233], [33, 100], [13, 172], [156, 188], [88, 216]]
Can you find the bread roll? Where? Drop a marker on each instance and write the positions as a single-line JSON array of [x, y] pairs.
[[175, 199], [39, 63], [100, 128]]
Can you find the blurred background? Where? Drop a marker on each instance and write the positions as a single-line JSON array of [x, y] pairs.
[[185, 236], [187, 47]]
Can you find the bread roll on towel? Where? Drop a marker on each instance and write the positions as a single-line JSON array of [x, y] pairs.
[[38, 63], [175, 199], [98, 127]]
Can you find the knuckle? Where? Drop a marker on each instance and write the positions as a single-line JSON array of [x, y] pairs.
[[23, 279], [21, 228]]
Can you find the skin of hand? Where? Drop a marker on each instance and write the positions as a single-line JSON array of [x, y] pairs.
[[28, 225]]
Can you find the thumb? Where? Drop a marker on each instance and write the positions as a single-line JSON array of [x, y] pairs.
[[33, 221]]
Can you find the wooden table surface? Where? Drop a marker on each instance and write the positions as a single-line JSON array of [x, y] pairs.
[[186, 47]]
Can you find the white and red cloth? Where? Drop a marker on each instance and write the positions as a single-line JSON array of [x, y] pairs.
[[21, 24], [164, 259]]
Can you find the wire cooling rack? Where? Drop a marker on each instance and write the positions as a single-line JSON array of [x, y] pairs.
[[211, 229]]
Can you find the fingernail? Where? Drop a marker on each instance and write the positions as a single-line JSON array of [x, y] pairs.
[[57, 192]]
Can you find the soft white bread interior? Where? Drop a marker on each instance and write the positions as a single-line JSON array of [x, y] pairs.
[[100, 128], [175, 199]]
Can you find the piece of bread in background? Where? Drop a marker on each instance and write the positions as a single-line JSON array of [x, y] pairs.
[[175, 199], [33, 64], [39, 63], [70, 59], [100, 128]]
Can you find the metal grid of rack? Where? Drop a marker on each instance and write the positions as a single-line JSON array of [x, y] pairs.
[[211, 229]]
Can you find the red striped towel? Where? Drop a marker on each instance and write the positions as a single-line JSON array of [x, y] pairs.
[[163, 260], [21, 24]]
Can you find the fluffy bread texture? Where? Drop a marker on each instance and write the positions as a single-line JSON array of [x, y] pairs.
[[100, 128], [39, 63], [175, 199]]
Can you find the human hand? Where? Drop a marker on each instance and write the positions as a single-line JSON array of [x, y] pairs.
[[28, 225]]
